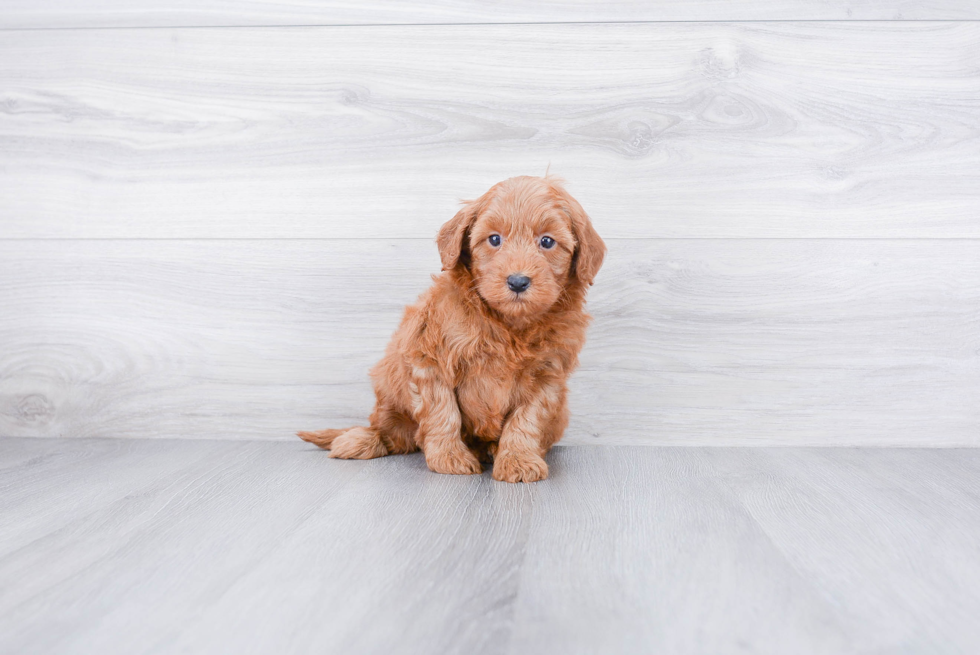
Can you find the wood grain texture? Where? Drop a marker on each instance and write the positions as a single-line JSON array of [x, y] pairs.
[[664, 129], [746, 550], [195, 562], [250, 547], [21, 14], [695, 341]]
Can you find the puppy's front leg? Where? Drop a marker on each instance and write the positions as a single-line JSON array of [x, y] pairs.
[[520, 454], [440, 425]]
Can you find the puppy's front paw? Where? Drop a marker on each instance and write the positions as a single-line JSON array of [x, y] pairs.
[[519, 467], [457, 461]]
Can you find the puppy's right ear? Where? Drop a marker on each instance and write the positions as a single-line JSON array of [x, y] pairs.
[[453, 238]]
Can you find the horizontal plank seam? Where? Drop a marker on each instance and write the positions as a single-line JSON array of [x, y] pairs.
[[488, 24]]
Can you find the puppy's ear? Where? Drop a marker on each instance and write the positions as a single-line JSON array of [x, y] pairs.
[[454, 234], [590, 249]]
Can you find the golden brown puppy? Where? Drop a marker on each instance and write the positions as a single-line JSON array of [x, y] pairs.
[[476, 371]]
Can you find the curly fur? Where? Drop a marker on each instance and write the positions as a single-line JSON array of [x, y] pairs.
[[476, 372]]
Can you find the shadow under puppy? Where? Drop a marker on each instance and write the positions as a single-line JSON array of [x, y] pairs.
[[477, 369]]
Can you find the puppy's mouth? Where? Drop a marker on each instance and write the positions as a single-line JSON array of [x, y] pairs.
[[521, 303]]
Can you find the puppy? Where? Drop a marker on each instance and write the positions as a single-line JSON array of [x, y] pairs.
[[476, 371]]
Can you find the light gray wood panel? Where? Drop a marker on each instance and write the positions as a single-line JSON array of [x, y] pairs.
[[637, 542], [118, 13], [746, 550], [663, 130], [694, 341], [883, 574], [70, 482], [258, 548], [253, 547]]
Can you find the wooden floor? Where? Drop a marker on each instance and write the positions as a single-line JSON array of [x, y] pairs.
[[153, 546]]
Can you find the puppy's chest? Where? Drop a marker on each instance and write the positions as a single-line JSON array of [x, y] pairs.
[[488, 390]]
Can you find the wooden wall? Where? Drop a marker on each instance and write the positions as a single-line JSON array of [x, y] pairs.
[[212, 213]]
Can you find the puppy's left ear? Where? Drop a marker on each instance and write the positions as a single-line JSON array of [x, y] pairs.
[[452, 239], [590, 250]]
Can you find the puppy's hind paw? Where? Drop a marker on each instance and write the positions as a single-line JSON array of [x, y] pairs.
[[358, 443], [511, 467]]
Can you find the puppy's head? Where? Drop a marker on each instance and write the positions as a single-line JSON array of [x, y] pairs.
[[524, 241]]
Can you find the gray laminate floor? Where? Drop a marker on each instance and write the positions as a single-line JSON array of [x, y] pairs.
[[136, 546]]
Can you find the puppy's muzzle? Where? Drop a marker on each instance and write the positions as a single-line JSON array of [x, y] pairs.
[[518, 282]]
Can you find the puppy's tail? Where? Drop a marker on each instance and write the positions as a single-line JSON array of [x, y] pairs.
[[352, 443], [321, 438]]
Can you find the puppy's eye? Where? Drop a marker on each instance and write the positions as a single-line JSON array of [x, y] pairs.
[[547, 243], [494, 240]]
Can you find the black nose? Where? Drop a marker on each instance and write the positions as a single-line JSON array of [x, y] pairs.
[[518, 282]]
